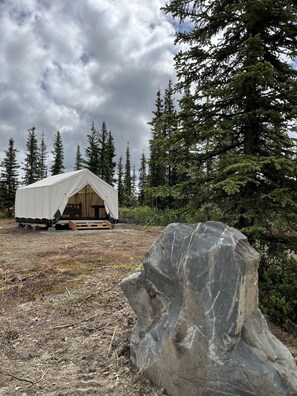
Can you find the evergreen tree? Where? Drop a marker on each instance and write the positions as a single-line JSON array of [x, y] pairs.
[[162, 164], [92, 152], [157, 171], [120, 182], [103, 136], [133, 201], [100, 154], [183, 143], [142, 183], [58, 154], [42, 158], [107, 154], [110, 162], [169, 125], [238, 58], [9, 178], [79, 162], [128, 179], [32, 159]]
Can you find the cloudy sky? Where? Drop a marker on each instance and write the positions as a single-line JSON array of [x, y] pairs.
[[66, 63]]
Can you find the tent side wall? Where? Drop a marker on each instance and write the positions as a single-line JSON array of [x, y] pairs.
[[33, 205]]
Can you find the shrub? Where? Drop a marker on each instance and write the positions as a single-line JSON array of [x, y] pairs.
[[278, 289]]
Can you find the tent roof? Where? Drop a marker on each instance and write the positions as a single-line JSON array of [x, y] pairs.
[[51, 180], [44, 198]]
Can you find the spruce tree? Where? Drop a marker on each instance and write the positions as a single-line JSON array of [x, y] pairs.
[[127, 178], [120, 181], [58, 155], [110, 162], [106, 155], [42, 158], [9, 178], [31, 166], [79, 162], [237, 57], [162, 163], [92, 152], [183, 144], [142, 182], [169, 126], [133, 200], [103, 136], [157, 170]]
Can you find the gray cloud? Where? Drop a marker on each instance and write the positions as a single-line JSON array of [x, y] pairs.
[[67, 63]]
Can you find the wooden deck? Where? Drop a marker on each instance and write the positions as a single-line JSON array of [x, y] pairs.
[[89, 224]]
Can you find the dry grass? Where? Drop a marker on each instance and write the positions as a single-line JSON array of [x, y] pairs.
[[64, 324]]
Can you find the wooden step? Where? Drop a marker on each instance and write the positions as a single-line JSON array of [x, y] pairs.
[[88, 225]]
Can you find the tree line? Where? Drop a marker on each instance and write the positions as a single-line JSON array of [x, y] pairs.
[[98, 157]]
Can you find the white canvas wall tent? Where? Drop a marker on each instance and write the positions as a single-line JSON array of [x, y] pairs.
[[72, 195]]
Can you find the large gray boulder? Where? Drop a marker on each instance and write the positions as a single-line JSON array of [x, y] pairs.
[[199, 330]]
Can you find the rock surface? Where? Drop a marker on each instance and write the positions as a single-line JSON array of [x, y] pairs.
[[199, 330]]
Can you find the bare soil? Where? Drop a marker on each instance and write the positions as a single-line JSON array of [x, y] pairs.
[[64, 322]]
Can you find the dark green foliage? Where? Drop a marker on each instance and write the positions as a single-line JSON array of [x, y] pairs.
[[169, 127], [31, 166], [102, 139], [142, 182], [278, 289], [244, 100], [58, 154], [133, 188], [120, 181], [127, 182], [156, 173], [79, 161], [110, 164], [100, 154], [163, 173], [9, 178], [92, 151], [42, 158]]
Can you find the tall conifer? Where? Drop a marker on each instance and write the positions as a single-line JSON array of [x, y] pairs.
[[169, 126], [127, 178], [156, 167], [31, 166], [102, 140], [42, 158], [142, 182], [79, 162], [110, 162], [120, 181], [9, 178], [92, 151], [58, 155]]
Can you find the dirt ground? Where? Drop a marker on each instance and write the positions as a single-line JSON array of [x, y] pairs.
[[64, 322]]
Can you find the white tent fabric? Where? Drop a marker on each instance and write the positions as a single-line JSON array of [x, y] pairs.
[[43, 199]]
